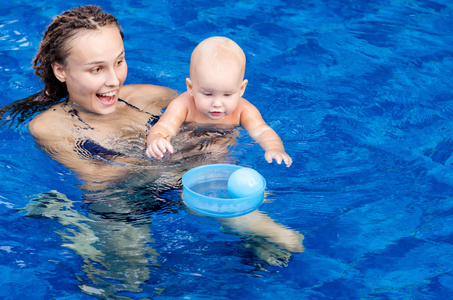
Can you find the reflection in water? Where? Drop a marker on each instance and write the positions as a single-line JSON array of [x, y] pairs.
[[122, 161], [112, 235], [193, 144]]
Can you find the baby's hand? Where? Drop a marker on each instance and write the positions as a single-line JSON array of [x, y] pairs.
[[278, 156], [158, 147]]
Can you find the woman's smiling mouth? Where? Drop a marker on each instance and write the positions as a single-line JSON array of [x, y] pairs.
[[107, 98]]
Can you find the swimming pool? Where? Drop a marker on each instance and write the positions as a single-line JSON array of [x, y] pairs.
[[361, 94]]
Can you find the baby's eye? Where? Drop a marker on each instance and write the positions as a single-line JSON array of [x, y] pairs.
[[228, 95], [207, 94]]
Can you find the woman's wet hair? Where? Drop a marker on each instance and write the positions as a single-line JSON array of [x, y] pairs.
[[54, 44], [55, 47], [21, 110]]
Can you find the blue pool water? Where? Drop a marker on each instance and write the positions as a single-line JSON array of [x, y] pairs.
[[359, 91]]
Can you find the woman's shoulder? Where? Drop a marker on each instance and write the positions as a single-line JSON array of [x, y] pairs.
[[47, 123], [134, 90], [147, 96]]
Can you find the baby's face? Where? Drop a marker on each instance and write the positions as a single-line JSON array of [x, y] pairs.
[[217, 88]]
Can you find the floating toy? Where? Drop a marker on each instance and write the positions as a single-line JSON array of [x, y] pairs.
[[206, 190], [245, 182]]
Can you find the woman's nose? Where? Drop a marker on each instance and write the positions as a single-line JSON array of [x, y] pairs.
[[112, 78]]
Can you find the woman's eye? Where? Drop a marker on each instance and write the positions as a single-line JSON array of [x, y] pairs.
[[95, 70], [118, 63]]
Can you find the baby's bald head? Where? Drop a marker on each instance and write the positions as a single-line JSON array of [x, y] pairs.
[[215, 50]]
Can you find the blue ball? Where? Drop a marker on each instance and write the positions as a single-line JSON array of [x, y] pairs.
[[244, 182]]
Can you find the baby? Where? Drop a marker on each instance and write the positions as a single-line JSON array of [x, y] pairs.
[[214, 96]]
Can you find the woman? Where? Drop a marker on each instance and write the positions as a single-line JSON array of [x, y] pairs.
[[82, 56]]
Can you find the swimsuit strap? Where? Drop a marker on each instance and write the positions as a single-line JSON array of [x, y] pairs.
[[133, 106], [152, 120], [75, 113]]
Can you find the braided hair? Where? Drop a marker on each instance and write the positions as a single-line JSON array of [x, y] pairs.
[[54, 45]]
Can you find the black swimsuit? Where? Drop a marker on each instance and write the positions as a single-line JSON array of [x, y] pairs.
[[91, 149], [95, 149]]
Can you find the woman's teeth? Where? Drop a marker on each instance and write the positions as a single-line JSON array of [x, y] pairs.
[[110, 94], [107, 98]]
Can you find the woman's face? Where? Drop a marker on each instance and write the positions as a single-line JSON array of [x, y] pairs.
[[95, 69]]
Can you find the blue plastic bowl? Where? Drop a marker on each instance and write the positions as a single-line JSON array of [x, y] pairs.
[[206, 192]]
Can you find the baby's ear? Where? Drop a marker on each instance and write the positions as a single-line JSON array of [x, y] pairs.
[[243, 86], [189, 86], [59, 71]]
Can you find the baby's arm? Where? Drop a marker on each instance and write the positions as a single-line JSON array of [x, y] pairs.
[[159, 136], [265, 136]]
